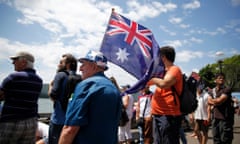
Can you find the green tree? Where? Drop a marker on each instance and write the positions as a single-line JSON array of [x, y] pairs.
[[229, 66], [207, 75]]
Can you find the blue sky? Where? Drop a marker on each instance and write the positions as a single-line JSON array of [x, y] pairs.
[[200, 31]]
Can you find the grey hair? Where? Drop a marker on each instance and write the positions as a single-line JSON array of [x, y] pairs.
[[29, 63]]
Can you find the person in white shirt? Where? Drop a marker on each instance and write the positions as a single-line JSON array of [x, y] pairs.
[[202, 115], [143, 111], [124, 132], [42, 133]]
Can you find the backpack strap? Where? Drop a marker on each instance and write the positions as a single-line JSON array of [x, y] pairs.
[[174, 94], [145, 106], [64, 85], [175, 91]]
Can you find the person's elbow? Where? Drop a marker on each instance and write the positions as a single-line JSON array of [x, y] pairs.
[[68, 134], [220, 101], [70, 130], [210, 101]]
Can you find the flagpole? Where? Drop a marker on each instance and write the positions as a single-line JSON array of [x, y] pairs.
[[107, 27]]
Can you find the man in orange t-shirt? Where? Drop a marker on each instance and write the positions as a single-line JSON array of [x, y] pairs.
[[165, 108]]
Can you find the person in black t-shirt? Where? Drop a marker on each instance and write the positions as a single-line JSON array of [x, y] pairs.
[[223, 111]]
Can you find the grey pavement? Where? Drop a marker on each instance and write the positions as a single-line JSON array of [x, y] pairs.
[[192, 140], [236, 132]]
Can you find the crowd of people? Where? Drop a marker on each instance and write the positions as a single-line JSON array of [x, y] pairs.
[[92, 114]]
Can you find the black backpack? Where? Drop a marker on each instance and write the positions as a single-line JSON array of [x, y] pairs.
[[188, 99], [72, 81]]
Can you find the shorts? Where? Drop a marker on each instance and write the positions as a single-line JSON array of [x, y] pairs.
[[148, 139], [201, 126], [20, 132], [124, 133]]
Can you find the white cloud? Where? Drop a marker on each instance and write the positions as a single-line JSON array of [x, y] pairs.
[[165, 29], [46, 55], [217, 31], [233, 23], [234, 51], [82, 21], [235, 2], [183, 43], [25, 21], [82, 24], [58, 16], [120, 75], [196, 40], [139, 11], [184, 26], [175, 20], [175, 44], [221, 30], [178, 21], [193, 5], [223, 53], [237, 30], [186, 56], [219, 53]]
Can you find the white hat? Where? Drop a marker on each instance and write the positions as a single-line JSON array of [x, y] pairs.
[[95, 56]]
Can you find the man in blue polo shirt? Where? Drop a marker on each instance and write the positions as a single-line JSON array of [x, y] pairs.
[[93, 114], [20, 92]]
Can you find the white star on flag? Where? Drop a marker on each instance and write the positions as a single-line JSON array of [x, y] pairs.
[[122, 54]]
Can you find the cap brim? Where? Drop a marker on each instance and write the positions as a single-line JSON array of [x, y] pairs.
[[84, 59], [14, 57], [81, 60]]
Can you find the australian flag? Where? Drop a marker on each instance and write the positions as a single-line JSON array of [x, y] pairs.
[[134, 48]]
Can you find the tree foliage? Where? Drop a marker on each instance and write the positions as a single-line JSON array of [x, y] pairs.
[[229, 66]]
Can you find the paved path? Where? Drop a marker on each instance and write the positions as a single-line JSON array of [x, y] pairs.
[[236, 132], [192, 140]]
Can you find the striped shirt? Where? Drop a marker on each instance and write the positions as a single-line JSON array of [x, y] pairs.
[[21, 93]]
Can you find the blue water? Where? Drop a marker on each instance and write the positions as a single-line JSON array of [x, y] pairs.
[[45, 105]]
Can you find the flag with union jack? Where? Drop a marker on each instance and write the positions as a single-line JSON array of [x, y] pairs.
[[134, 48]]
